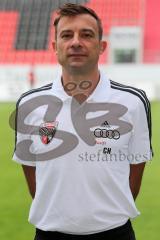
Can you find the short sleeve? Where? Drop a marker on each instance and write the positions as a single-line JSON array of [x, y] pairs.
[[140, 147], [21, 140]]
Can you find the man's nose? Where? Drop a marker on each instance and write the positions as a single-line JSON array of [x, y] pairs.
[[76, 42]]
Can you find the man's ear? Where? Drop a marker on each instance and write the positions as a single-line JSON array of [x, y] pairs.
[[54, 45], [103, 46]]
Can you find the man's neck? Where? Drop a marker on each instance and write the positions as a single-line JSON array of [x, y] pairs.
[[76, 85]]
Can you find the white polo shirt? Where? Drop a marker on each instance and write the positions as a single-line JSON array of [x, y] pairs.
[[82, 154]]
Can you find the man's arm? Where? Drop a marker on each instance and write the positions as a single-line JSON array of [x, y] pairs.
[[135, 178], [29, 173]]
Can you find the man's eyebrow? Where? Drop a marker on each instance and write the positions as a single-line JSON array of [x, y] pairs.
[[87, 30], [65, 31], [82, 30]]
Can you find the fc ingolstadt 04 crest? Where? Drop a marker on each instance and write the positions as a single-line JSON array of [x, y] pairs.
[[47, 131]]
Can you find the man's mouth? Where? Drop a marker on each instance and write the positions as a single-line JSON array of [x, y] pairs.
[[77, 55]]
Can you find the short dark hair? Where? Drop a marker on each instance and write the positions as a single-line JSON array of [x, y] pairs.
[[70, 9]]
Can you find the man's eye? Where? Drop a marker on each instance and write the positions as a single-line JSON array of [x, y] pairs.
[[66, 36], [87, 35]]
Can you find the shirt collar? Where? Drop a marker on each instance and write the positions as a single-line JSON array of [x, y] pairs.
[[100, 93]]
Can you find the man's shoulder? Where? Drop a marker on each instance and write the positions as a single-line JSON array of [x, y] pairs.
[[132, 96], [132, 92], [34, 93]]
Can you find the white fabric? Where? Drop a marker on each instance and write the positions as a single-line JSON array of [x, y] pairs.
[[85, 190]]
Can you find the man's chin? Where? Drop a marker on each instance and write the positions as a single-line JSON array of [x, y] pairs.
[[77, 64]]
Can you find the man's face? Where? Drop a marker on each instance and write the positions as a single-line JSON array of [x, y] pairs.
[[77, 44]]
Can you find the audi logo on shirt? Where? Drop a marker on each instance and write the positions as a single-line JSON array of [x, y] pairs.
[[106, 133]]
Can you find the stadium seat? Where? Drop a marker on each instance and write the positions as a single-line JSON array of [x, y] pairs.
[[26, 27]]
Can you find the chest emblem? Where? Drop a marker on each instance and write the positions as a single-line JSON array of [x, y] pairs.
[[47, 131]]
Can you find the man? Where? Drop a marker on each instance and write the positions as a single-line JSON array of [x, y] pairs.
[[82, 141]]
